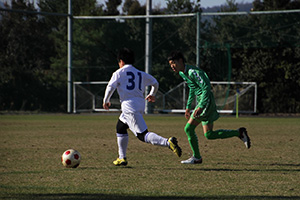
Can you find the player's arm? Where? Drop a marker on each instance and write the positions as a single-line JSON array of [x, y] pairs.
[[190, 98], [187, 113], [198, 112], [154, 88], [109, 92], [106, 100], [204, 97]]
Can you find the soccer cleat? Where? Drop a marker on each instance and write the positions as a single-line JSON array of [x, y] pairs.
[[244, 137], [192, 160], [119, 162], [174, 146]]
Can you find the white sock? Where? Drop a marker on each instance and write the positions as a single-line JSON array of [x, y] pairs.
[[155, 139], [122, 140]]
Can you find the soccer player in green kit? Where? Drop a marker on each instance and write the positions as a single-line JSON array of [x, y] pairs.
[[205, 112]]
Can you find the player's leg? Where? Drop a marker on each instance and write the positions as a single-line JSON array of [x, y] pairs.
[[122, 138], [122, 141], [212, 115], [225, 133], [155, 139], [192, 137], [138, 126], [208, 117], [218, 134], [152, 138], [193, 141], [207, 127]]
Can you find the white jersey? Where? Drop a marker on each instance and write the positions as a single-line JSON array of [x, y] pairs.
[[130, 84]]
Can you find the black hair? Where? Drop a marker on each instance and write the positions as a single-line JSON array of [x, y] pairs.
[[127, 55], [176, 55]]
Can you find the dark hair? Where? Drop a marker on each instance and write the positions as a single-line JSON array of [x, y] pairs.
[[127, 55], [176, 55]]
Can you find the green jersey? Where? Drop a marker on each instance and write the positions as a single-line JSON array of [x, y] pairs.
[[199, 85]]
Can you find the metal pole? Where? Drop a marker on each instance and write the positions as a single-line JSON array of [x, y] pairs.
[[184, 97], [255, 99], [69, 56], [198, 39], [74, 98], [148, 50]]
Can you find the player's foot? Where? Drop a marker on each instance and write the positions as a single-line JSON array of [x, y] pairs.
[[174, 146], [192, 160], [119, 162], [244, 137]]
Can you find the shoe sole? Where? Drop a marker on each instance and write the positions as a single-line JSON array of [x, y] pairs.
[[121, 164], [197, 162]]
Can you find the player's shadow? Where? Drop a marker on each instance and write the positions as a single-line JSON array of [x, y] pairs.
[[239, 170], [100, 196], [264, 164], [223, 167], [250, 167], [97, 168], [213, 169]]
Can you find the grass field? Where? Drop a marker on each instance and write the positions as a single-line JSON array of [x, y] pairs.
[[31, 147]]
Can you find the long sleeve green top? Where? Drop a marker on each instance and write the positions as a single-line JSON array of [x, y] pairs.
[[199, 85]]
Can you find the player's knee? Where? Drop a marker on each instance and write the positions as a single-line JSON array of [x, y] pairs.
[[209, 135], [121, 127], [141, 136], [188, 128]]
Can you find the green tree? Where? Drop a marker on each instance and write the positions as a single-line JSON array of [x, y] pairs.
[[182, 6], [95, 42], [24, 59], [133, 7], [85, 50], [112, 7], [265, 49], [180, 34]]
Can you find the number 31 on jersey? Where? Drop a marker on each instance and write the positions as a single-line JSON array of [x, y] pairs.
[[133, 80]]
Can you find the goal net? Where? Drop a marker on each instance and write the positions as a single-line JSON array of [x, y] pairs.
[[230, 97], [88, 97]]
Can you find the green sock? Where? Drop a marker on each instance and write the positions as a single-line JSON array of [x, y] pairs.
[[193, 139], [221, 134]]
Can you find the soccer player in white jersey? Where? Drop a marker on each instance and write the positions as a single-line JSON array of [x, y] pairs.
[[130, 84]]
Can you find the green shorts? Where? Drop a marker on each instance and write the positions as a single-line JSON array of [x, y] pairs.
[[209, 114]]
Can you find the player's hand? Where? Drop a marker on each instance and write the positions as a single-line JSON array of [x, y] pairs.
[[150, 98], [106, 105], [187, 114], [198, 112]]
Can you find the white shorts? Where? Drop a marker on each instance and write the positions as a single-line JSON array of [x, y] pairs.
[[134, 121]]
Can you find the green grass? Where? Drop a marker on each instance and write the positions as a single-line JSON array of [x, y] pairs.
[[31, 147]]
